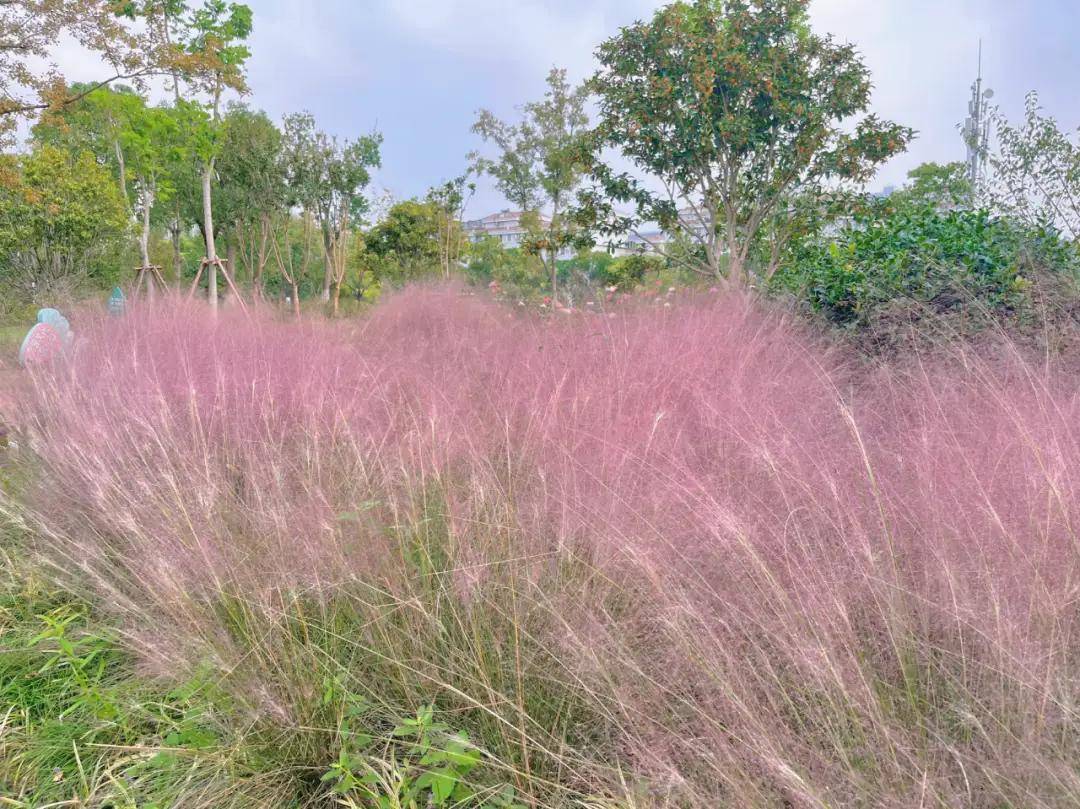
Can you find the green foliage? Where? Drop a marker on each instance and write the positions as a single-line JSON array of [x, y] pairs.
[[588, 276], [250, 179], [540, 162], [450, 200], [99, 123], [327, 178], [917, 253], [81, 723], [517, 273], [74, 709], [584, 273], [251, 194], [193, 141], [11, 336], [423, 763], [734, 107], [942, 186], [405, 245], [538, 159], [217, 32], [61, 217], [629, 272], [591, 276], [1035, 171]]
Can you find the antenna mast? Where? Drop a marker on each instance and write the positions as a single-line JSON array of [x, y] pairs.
[[977, 129]]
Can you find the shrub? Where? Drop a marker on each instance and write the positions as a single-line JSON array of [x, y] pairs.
[[940, 270], [520, 275], [629, 272], [61, 220], [404, 247], [915, 253]]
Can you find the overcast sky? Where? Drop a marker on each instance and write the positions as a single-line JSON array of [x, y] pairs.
[[419, 69]]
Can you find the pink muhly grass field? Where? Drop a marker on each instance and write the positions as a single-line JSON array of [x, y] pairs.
[[690, 556]]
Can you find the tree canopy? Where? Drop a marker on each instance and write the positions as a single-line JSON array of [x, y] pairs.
[[539, 162], [731, 107], [29, 29], [63, 211]]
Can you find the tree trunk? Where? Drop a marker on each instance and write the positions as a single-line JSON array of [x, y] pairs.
[[144, 235], [144, 239], [447, 247], [735, 257], [736, 275], [328, 274], [208, 230], [296, 299], [713, 253], [552, 252], [262, 257], [175, 228], [775, 254], [208, 213], [230, 252], [339, 250], [123, 173]]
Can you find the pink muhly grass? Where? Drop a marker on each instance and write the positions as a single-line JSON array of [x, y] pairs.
[[765, 575]]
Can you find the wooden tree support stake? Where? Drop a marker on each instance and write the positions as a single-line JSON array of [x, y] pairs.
[[148, 276], [220, 263]]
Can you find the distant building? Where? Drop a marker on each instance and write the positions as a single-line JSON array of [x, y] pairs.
[[507, 227], [692, 223], [695, 221], [643, 243]]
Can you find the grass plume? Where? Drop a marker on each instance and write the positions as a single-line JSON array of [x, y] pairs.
[[685, 556]]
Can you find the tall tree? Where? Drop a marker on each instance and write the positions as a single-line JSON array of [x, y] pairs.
[[135, 141], [154, 142], [216, 36], [1035, 171], [405, 245], [30, 29], [165, 21], [251, 189], [734, 107], [449, 201], [293, 255], [328, 178], [57, 213], [184, 171], [98, 122], [539, 162]]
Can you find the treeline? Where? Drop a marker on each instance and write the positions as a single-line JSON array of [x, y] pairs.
[[112, 182], [732, 128]]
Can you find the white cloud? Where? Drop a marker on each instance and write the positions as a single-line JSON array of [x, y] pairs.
[[306, 44], [532, 34]]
